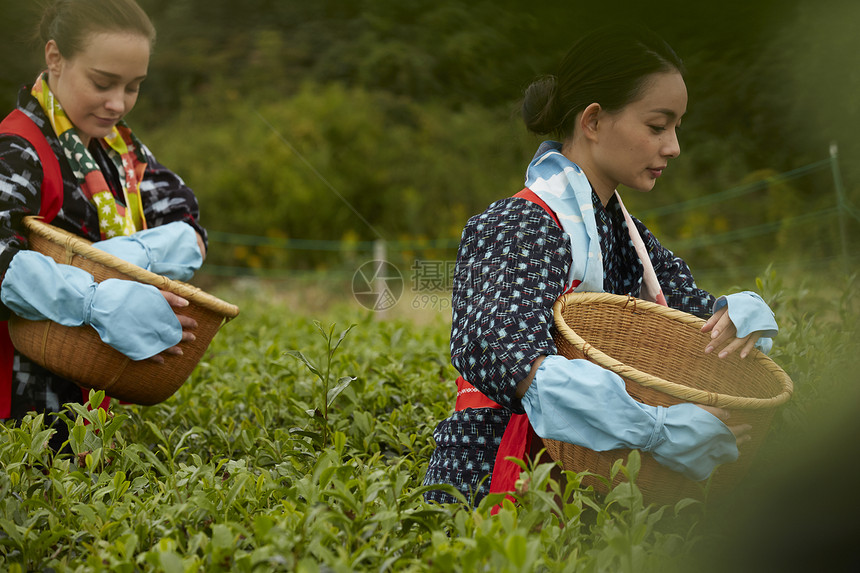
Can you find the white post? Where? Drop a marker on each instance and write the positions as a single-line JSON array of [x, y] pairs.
[[380, 254]]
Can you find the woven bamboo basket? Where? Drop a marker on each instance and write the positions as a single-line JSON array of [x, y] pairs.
[[78, 354], [659, 352]]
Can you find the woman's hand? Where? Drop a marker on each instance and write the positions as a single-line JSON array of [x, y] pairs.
[[187, 323], [202, 246], [742, 432], [723, 335]]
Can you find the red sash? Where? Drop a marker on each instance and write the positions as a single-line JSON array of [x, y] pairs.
[[18, 123]]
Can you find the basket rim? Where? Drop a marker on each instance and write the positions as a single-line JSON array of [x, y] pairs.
[[82, 247], [650, 381]]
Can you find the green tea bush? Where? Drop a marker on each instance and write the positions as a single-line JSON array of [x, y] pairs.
[[301, 444]]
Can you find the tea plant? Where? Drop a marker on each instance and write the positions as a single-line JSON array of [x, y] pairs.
[[328, 394], [233, 474]]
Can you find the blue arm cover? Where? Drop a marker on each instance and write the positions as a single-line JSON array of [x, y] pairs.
[[132, 317], [170, 250], [749, 313], [581, 403]]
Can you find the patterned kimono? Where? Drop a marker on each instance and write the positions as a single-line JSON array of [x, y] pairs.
[[517, 248]]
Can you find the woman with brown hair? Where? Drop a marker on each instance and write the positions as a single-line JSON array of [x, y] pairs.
[[67, 155]]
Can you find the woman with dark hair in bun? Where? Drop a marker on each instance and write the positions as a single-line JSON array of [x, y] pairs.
[[67, 155], [614, 108]]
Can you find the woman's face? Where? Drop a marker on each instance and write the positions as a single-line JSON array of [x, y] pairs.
[[633, 145], [98, 86]]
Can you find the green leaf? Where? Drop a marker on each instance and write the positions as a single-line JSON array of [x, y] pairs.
[[340, 339], [77, 437], [515, 549], [85, 511], [238, 487], [157, 431], [684, 503], [151, 457], [626, 494], [307, 362], [96, 398], [616, 467], [262, 525], [222, 537], [634, 463], [316, 436], [111, 428], [171, 562], [13, 531], [342, 384], [338, 442], [39, 442]]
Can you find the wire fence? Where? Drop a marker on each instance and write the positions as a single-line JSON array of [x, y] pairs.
[[359, 252]]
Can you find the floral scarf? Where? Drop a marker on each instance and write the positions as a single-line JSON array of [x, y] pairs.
[[123, 149]]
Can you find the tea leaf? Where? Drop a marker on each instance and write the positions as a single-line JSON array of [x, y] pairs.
[[341, 386]]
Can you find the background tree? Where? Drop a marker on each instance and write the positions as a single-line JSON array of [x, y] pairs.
[[408, 110]]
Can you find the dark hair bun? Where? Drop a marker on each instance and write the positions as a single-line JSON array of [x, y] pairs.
[[539, 108]]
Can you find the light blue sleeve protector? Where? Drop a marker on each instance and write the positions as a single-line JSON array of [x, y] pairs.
[[170, 250], [581, 403], [132, 317], [750, 313]]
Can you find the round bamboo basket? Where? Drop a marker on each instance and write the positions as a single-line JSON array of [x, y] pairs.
[[659, 352], [78, 354]]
